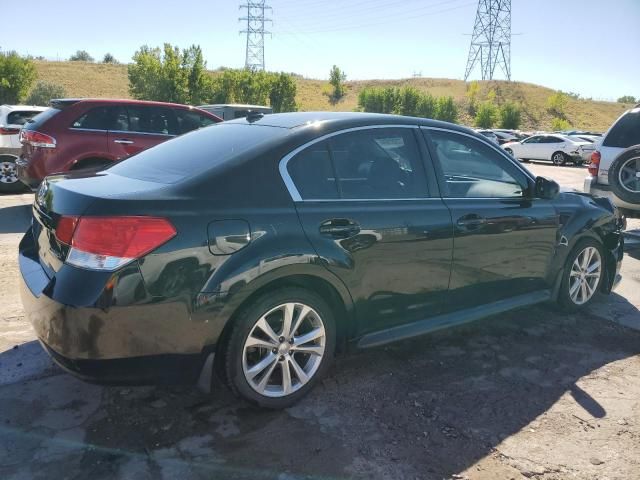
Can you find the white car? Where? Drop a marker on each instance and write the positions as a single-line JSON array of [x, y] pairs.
[[12, 117], [614, 171], [489, 134], [589, 148], [554, 147]]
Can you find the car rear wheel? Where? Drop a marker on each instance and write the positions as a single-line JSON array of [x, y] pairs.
[[624, 175], [9, 182], [582, 276], [280, 346], [559, 158]]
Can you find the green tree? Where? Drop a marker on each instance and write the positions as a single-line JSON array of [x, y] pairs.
[[510, 116], [108, 58], [17, 74], [408, 101], [446, 109], [473, 92], [81, 56], [427, 107], [43, 92], [336, 80], [560, 124], [283, 93], [557, 104], [627, 99], [487, 115]]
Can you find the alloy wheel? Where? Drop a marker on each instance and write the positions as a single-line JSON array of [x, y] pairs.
[[8, 172], [629, 175], [284, 349], [585, 275], [558, 158]]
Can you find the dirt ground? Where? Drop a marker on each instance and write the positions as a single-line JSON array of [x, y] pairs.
[[529, 394]]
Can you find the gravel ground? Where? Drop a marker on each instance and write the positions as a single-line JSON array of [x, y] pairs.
[[529, 394]]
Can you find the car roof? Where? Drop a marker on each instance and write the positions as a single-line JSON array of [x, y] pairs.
[[128, 101], [233, 105], [30, 108], [342, 120]]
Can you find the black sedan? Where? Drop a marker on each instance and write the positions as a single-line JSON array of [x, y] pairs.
[[259, 247]]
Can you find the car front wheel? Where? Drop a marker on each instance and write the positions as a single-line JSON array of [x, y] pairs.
[[9, 182], [559, 158], [281, 345], [582, 276]]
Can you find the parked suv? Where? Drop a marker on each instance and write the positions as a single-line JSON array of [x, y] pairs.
[[615, 165], [12, 117], [91, 133]]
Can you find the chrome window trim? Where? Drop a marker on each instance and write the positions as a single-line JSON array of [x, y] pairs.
[[291, 187], [124, 132], [504, 154]]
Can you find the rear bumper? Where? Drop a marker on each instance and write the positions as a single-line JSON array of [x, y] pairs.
[[25, 175], [597, 189], [90, 329]]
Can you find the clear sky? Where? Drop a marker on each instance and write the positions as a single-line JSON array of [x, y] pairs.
[[591, 47]]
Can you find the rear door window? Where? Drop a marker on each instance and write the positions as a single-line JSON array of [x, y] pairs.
[[98, 118], [20, 117], [156, 120], [626, 131]]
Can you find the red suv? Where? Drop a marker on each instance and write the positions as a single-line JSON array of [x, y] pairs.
[[91, 133]]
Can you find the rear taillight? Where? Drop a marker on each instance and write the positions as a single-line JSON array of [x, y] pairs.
[[37, 139], [9, 131], [108, 243], [594, 166]]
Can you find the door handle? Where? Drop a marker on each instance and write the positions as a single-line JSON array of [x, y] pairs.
[[123, 141], [339, 228], [472, 221]]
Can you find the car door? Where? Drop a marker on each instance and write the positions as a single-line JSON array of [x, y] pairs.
[[503, 238], [139, 127], [527, 146], [363, 201], [551, 145]]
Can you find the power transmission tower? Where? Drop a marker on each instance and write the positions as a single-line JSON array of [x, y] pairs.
[[491, 39], [255, 33]]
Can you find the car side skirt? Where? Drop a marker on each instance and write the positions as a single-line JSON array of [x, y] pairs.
[[440, 322]]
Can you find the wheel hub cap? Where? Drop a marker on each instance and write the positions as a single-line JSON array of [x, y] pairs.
[[584, 275], [8, 173]]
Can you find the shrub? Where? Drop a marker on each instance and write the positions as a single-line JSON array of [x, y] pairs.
[[336, 80], [283, 93], [446, 110], [557, 103], [17, 74], [473, 91], [559, 124], [81, 56], [108, 58], [628, 99], [486, 115], [510, 116], [427, 106], [43, 92]]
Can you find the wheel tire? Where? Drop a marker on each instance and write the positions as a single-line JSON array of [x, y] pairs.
[[566, 299], [7, 175], [559, 158], [620, 170], [235, 362]]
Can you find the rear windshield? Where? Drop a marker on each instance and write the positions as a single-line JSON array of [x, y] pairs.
[[36, 122], [18, 117], [625, 132], [195, 152]]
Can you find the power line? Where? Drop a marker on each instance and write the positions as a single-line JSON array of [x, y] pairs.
[[491, 39], [255, 32]]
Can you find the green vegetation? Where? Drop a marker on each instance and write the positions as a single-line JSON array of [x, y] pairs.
[[473, 92], [43, 92], [487, 115], [336, 79], [628, 99], [557, 104], [81, 79], [407, 101], [81, 56], [108, 58], [510, 116], [559, 124], [17, 74]]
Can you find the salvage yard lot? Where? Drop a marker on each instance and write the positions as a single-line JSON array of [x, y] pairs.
[[529, 394]]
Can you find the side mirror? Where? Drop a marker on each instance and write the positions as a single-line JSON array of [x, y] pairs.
[[546, 188]]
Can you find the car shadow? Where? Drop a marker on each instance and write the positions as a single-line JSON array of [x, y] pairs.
[[15, 219], [425, 408]]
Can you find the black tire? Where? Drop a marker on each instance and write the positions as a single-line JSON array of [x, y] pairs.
[[7, 173], [559, 158], [565, 301], [245, 322], [92, 164], [618, 173]]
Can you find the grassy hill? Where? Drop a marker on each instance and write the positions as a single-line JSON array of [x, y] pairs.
[[100, 80]]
